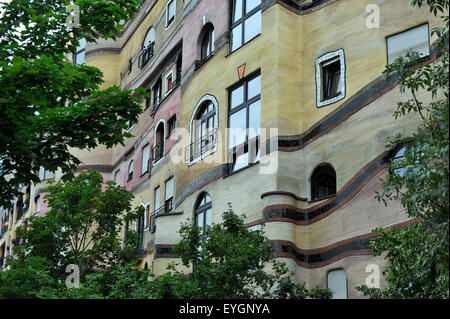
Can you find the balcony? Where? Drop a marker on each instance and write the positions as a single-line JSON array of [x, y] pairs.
[[158, 152], [201, 146], [146, 55], [157, 100], [167, 207]]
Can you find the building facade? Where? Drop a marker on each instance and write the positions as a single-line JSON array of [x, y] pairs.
[[302, 81]]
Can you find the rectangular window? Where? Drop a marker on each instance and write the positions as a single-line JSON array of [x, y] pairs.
[[81, 52], [37, 202], [244, 121], [169, 194], [169, 83], [172, 125], [157, 198], [145, 158], [416, 39], [147, 216], [330, 78], [157, 93], [246, 22], [170, 12]]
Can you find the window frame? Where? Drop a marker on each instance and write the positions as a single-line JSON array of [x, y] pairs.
[[240, 149], [117, 173], [202, 209], [130, 174], [241, 21], [346, 281], [323, 168], [209, 35], [169, 21], [37, 204], [79, 51], [327, 57], [407, 30], [148, 160]]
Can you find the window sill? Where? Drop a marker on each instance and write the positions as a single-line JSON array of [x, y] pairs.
[[320, 199], [200, 63], [241, 169], [243, 45]]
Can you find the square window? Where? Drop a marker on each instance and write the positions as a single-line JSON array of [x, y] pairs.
[[172, 123], [246, 22]]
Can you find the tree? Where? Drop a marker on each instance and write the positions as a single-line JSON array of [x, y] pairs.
[[47, 104], [229, 261], [419, 253], [82, 228]]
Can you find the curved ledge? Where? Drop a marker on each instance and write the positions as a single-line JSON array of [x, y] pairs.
[[283, 193]]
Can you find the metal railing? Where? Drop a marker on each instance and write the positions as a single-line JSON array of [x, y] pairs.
[[146, 55], [167, 207], [201, 145], [158, 152]]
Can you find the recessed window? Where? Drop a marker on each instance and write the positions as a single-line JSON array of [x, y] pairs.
[[415, 39], [156, 94], [158, 149], [145, 158], [203, 212], [169, 82], [80, 54], [337, 283], [244, 122], [148, 99], [117, 177], [147, 47], [171, 125], [170, 12], [147, 216], [130, 171], [330, 78], [207, 46], [130, 125], [246, 22], [323, 182]]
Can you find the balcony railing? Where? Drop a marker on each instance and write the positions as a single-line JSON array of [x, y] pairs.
[[201, 145], [158, 152], [167, 207], [146, 55], [157, 100]]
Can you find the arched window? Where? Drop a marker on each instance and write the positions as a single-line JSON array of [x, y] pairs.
[[204, 124], [337, 282], [130, 171], [323, 182], [147, 47], [396, 159], [203, 211], [207, 45], [158, 149]]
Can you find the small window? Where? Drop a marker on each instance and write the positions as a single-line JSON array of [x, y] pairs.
[[172, 125], [130, 125], [169, 194], [158, 149], [157, 94], [416, 39], [330, 78], [37, 204], [207, 46], [130, 171], [145, 158], [170, 12], [147, 48], [337, 283], [246, 22], [147, 216], [169, 83], [80, 54], [148, 100], [323, 182], [45, 174], [117, 178], [203, 212]]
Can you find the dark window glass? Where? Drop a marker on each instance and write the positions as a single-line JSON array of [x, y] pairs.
[[130, 171], [172, 124], [207, 43], [323, 182], [331, 76]]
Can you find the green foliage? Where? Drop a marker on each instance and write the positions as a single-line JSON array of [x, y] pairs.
[[229, 261], [48, 105], [419, 253], [82, 227]]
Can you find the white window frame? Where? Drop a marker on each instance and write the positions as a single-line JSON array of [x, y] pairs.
[[167, 13], [205, 98], [404, 33], [346, 282], [148, 159], [146, 215], [166, 89], [319, 63], [164, 139]]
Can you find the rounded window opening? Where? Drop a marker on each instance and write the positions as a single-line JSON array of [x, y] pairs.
[[203, 211], [323, 182], [207, 44]]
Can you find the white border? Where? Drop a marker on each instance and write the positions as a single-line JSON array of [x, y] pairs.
[[339, 53]]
